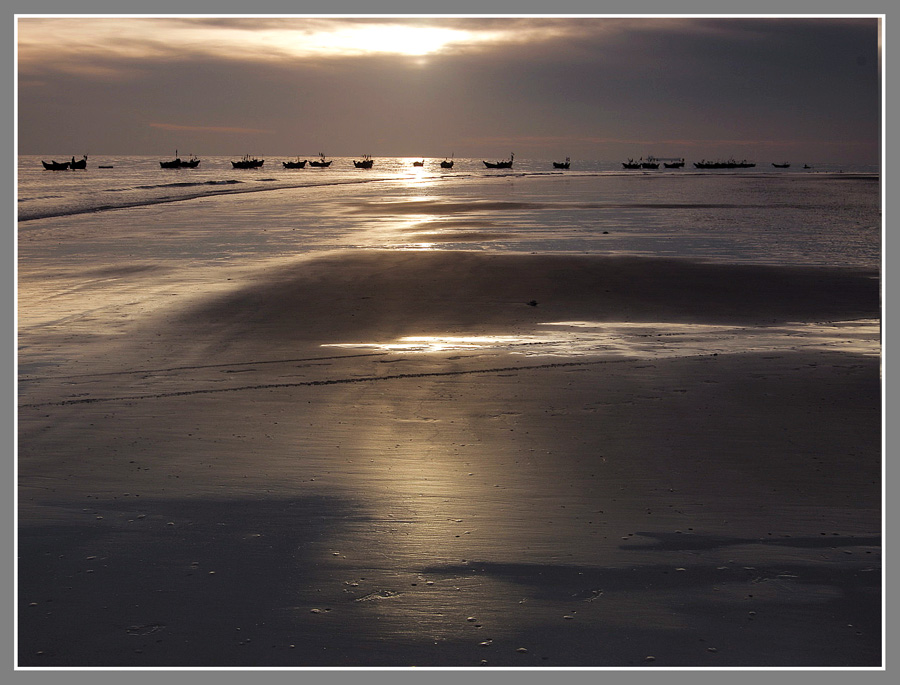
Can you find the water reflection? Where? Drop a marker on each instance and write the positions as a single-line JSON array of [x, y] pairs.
[[651, 340]]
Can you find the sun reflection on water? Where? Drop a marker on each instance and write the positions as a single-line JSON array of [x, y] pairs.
[[581, 338]]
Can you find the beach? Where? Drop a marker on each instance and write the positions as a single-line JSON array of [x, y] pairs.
[[246, 439]]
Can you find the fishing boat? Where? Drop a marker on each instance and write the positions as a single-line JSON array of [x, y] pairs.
[[54, 165], [784, 165], [730, 164], [561, 165], [80, 164], [651, 163], [674, 165], [501, 165], [295, 165], [247, 162], [419, 163], [179, 163], [631, 164], [447, 163], [366, 163], [320, 162]]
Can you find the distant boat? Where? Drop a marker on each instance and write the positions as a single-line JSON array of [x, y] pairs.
[[320, 162], [631, 164], [295, 165], [785, 165], [730, 164], [501, 165], [447, 163], [105, 166], [80, 164], [247, 162], [674, 165], [807, 166], [421, 163], [366, 163], [651, 163], [179, 163], [55, 166], [561, 165]]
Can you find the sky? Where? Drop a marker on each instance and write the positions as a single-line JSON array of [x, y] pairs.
[[588, 87]]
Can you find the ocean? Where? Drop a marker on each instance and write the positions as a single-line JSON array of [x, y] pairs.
[[827, 215]]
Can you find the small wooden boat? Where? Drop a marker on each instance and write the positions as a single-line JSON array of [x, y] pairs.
[[295, 165], [501, 165], [447, 163], [320, 162], [247, 162], [561, 165], [179, 163], [730, 164], [80, 164], [651, 163], [631, 164], [53, 165], [420, 163], [366, 163], [785, 165]]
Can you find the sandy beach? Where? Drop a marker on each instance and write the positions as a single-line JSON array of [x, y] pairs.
[[412, 458]]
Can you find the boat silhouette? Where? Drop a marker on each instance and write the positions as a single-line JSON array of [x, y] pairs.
[[674, 165], [247, 162], [501, 165], [631, 164], [179, 163], [730, 164], [366, 163], [447, 163], [419, 163], [80, 164], [320, 162], [295, 165], [784, 165], [561, 165], [53, 165]]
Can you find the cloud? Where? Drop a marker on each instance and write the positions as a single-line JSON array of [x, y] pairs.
[[208, 129]]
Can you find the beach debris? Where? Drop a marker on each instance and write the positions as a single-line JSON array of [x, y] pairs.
[[522, 650], [486, 643], [568, 617], [650, 658], [471, 619]]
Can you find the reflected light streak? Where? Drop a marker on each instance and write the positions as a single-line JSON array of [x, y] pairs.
[[649, 340]]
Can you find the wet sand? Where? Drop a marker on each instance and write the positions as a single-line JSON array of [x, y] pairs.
[[212, 483]]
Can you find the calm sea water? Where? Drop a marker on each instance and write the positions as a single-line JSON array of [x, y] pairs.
[[827, 215]]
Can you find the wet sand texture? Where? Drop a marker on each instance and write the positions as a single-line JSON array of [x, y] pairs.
[[214, 488]]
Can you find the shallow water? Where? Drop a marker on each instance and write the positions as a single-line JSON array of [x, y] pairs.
[[823, 216]]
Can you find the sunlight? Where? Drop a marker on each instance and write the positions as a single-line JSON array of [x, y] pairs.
[[151, 38]]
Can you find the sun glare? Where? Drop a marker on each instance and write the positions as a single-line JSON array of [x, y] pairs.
[[414, 41]]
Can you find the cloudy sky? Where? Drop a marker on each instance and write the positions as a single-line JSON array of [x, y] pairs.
[[588, 87]]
